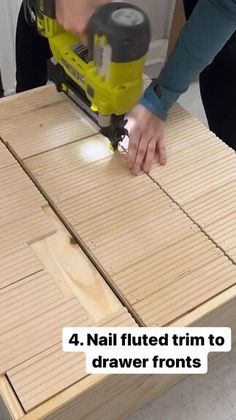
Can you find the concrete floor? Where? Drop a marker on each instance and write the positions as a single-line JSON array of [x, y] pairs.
[[202, 397]]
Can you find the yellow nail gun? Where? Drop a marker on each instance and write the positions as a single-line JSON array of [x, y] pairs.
[[105, 79]]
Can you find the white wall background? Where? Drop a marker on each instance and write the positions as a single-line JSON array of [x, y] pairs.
[[159, 11], [8, 17]]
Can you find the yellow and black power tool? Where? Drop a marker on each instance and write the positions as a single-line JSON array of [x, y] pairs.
[[105, 79]]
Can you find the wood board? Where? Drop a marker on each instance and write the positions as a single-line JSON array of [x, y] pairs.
[[6, 158], [46, 374], [86, 216], [118, 396], [34, 130], [46, 283], [201, 178], [128, 222]]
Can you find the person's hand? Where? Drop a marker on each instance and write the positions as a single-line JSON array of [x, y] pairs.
[[146, 140], [74, 15]]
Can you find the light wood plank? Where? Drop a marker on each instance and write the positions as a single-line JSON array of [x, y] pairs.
[[40, 333], [12, 180], [214, 206], [183, 268], [20, 204], [166, 284], [9, 405], [26, 230], [169, 303], [201, 178], [47, 127], [191, 186], [71, 156], [18, 265], [43, 376], [124, 394], [224, 234], [6, 159], [103, 199], [25, 102], [103, 174], [118, 252], [138, 232], [125, 217], [73, 272], [22, 301]]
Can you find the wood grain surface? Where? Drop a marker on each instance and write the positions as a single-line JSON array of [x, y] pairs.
[[45, 121], [46, 283], [155, 255], [46, 374], [164, 242]]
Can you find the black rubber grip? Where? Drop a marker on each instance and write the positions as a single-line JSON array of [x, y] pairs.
[[126, 27]]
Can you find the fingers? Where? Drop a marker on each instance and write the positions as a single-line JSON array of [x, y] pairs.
[[150, 155], [141, 153], [161, 147], [84, 38], [135, 137], [74, 15]]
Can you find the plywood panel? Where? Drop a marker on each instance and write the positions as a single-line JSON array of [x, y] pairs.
[[201, 178], [80, 208], [224, 234], [39, 333], [103, 174], [12, 180], [168, 304], [203, 181], [23, 103], [6, 158], [20, 204], [10, 407], [174, 279], [46, 374], [213, 206], [73, 272], [21, 301], [33, 306], [118, 252], [185, 161], [159, 261], [74, 156], [47, 127], [123, 218], [18, 265], [135, 238], [99, 396], [215, 213], [28, 229]]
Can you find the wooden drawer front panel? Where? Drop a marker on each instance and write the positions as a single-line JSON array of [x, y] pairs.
[[158, 259], [40, 333], [49, 372], [18, 265], [6, 159], [201, 178], [44, 127]]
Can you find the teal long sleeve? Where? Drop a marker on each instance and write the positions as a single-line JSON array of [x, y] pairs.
[[211, 25]]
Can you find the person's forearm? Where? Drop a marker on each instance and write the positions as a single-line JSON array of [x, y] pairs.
[[210, 26]]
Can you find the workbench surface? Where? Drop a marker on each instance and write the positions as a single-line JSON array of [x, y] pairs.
[[84, 243]]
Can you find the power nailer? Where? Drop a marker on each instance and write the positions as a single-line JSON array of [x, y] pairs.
[[106, 78]]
